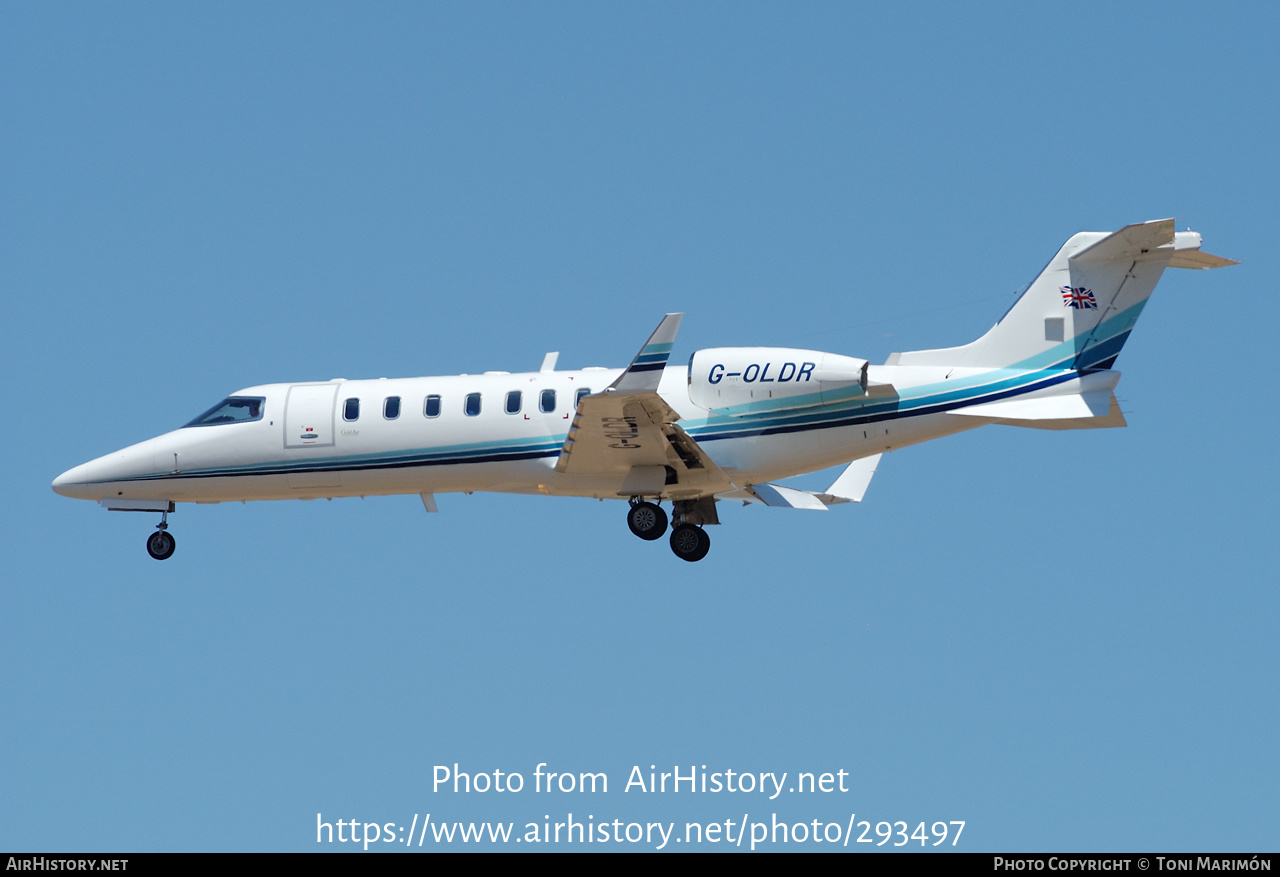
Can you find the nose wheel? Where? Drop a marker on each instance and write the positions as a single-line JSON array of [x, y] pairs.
[[161, 545]]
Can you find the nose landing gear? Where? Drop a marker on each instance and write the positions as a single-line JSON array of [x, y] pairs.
[[161, 544]]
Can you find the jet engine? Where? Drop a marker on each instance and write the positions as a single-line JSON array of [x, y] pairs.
[[747, 380]]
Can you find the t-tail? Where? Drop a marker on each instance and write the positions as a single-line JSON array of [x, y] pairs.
[[1079, 312]]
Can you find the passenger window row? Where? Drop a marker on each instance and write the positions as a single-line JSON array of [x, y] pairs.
[[471, 405]]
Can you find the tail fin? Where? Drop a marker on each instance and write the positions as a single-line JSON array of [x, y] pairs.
[[1079, 312]]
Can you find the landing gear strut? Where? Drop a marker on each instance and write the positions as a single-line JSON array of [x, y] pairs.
[[647, 520], [690, 542], [160, 544]]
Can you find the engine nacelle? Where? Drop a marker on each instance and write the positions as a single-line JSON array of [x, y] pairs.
[[746, 380]]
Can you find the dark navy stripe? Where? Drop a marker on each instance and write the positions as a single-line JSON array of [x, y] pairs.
[[800, 422], [1090, 357], [355, 467], [838, 420]]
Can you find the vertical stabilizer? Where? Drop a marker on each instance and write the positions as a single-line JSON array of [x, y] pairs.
[[1079, 312]]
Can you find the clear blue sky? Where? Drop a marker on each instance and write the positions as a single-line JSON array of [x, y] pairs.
[[1067, 640]]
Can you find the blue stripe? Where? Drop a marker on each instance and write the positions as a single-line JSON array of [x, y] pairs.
[[485, 452], [890, 410], [925, 398], [1065, 354], [1104, 351], [855, 410]]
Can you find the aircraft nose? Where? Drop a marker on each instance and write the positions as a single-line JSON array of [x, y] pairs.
[[104, 476], [73, 482]]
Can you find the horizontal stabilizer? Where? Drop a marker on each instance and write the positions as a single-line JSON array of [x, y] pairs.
[[1130, 242], [1084, 402], [1045, 408], [1198, 259], [1113, 418], [1148, 241]]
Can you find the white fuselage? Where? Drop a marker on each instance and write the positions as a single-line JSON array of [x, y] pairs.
[[455, 451], [726, 426]]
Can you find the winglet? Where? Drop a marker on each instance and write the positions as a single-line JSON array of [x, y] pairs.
[[645, 370]]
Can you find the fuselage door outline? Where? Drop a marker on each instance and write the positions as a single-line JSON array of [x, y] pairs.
[[308, 415]]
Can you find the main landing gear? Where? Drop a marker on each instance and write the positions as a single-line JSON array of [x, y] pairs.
[[689, 542], [648, 521], [161, 544]]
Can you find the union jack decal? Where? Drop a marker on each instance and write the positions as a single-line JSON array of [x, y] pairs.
[[1079, 298]]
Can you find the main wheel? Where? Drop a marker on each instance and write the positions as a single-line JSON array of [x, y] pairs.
[[689, 542], [647, 520], [160, 545]]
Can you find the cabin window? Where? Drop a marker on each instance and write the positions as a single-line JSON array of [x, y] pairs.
[[235, 409], [351, 409], [513, 402], [577, 397], [472, 407], [391, 407], [547, 401], [431, 408]]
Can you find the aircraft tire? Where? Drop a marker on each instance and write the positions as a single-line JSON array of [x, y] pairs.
[[689, 542], [647, 520], [161, 545]]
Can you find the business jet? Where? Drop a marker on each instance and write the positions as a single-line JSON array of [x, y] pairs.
[[726, 427]]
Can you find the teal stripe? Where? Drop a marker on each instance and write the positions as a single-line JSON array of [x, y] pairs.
[[951, 394], [1063, 354], [552, 443]]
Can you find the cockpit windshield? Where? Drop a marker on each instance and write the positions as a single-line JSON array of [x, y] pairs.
[[234, 409]]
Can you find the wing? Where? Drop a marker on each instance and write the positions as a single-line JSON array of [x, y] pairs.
[[626, 437]]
